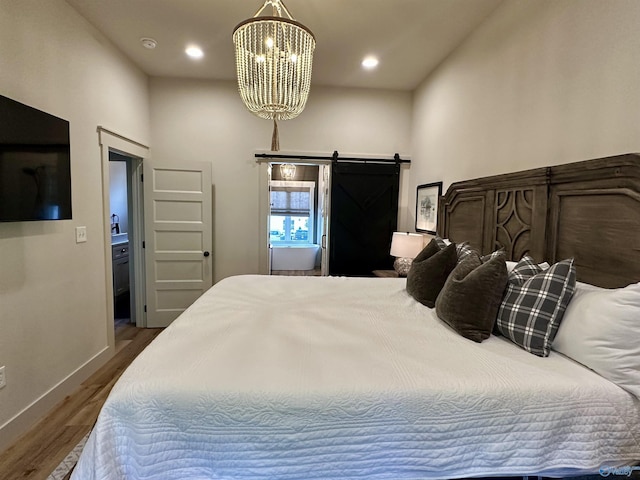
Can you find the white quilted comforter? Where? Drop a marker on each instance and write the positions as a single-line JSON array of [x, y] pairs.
[[336, 378]]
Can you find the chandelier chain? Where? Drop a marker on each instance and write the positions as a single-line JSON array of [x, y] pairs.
[[278, 6]]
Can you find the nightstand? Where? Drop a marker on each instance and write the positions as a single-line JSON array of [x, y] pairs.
[[386, 273]]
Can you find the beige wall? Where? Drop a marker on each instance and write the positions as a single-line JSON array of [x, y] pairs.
[[206, 121], [541, 82], [52, 290]]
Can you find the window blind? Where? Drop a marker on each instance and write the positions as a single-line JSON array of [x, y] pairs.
[[290, 201]]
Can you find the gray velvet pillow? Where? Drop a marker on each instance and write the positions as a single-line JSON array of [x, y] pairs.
[[429, 272], [428, 251], [471, 297]]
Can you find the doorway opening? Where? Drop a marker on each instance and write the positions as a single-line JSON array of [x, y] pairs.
[[122, 160], [121, 207], [297, 219]]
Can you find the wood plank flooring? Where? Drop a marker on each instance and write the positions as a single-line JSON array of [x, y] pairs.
[[298, 273], [37, 453]]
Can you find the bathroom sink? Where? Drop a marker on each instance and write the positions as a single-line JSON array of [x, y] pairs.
[[119, 238]]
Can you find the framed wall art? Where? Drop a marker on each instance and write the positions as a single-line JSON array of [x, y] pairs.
[[427, 196]]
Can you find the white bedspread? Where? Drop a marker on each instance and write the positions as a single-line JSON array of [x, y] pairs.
[[336, 378]]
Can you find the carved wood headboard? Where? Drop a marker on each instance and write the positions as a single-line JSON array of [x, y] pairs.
[[586, 210]]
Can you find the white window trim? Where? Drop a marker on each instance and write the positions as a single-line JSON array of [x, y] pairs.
[[311, 186]]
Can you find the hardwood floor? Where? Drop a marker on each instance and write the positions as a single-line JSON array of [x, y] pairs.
[[37, 453], [298, 273]]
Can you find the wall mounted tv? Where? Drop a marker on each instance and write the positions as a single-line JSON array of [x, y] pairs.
[[35, 167]]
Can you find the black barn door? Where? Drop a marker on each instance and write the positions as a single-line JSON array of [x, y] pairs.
[[364, 215]]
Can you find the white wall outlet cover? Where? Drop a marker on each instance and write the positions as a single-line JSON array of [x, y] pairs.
[[81, 234], [3, 379]]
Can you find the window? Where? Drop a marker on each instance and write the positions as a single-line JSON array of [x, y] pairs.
[[292, 212]]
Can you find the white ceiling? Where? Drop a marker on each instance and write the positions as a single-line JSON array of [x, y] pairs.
[[410, 37]]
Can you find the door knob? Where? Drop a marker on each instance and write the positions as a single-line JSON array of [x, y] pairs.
[[206, 254]]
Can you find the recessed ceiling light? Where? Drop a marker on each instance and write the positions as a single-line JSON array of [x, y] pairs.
[[194, 52], [370, 62], [149, 43]]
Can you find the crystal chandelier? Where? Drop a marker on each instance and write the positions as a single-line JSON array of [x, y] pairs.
[[274, 57], [288, 171]]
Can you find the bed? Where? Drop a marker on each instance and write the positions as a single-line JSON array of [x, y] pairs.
[[268, 377]]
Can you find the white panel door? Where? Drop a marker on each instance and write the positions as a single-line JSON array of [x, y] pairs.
[[178, 223]]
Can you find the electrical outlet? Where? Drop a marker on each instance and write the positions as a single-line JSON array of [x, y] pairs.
[[3, 379], [81, 234]]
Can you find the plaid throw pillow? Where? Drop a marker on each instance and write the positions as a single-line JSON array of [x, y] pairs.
[[524, 269], [530, 313], [462, 249], [492, 255]]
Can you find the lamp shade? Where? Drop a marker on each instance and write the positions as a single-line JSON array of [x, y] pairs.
[[406, 245]]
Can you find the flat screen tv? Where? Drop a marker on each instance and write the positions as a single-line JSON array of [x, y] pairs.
[[35, 167]]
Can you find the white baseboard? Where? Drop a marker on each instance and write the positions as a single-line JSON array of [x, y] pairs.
[[25, 419]]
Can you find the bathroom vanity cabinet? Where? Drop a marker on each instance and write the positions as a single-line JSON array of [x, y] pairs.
[[120, 256]]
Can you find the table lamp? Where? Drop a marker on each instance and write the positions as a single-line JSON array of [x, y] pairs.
[[405, 246]]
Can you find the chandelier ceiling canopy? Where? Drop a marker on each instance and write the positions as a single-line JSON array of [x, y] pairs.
[[274, 58]]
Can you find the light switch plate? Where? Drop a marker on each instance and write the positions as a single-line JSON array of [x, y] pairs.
[[81, 234]]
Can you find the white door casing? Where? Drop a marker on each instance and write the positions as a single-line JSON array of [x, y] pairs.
[[178, 226], [325, 204], [111, 141], [269, 246], [324, 194]]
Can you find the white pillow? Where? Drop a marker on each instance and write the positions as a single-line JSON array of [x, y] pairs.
[[601, 330]]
